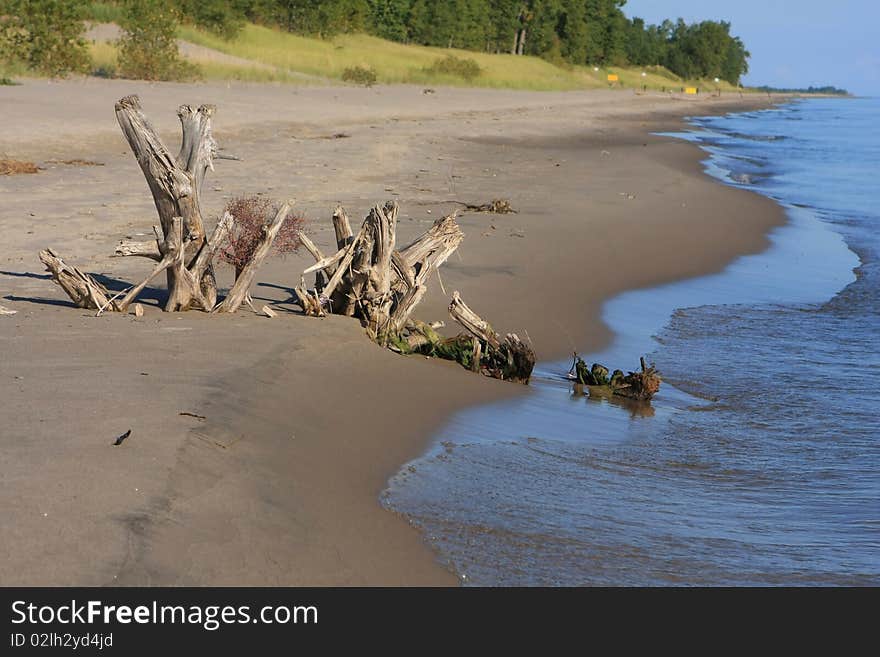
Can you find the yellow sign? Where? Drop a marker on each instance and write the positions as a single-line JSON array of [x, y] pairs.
[[691, 90], [612, 77]]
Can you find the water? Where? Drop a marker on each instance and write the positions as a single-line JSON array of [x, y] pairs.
[[759, 461]]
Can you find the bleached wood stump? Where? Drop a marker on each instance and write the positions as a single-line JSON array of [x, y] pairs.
[[373, 281], [181, 249]]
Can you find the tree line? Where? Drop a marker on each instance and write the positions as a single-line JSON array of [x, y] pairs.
[[581, 32], [565, 32]]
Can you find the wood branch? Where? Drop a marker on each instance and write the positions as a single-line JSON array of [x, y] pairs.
[[403, 270], [477, 355], [167, 181], [350, 298], [209, 249], [472, 322], [84, 291], [327, 262], [242, 285], [344, 263], [170, 255], [342, 227], [310, 302], [143, 249], [311, 247], [406, 305], [181, 294], [383, 223], [7, 311], [198, 149], [445, 228], [174, 183], [510, 359]]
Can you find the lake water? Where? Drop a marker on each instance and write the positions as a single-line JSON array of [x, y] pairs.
[[758, 463]]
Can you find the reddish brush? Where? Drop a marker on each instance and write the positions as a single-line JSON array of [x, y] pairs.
[[251, 213]]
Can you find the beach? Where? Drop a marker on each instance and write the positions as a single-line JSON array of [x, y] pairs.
[[295, 424]]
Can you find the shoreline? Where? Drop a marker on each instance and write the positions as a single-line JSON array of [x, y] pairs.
[[280, 484]]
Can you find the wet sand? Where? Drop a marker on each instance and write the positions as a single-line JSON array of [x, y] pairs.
[[304, 419]]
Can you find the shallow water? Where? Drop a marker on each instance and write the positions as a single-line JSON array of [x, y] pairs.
[[758, 462]]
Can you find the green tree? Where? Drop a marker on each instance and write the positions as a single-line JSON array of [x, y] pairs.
[[147, 48], [389, 19], [504, 24], [735, 63], [451, 24], [322, 18], [45, 35], [223, 17]]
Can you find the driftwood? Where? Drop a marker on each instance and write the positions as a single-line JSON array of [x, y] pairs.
[[7, 311], [182, 249], [372, 280], [641, 386], [510, 359], [495, 206], [245, 277], [369, 278]]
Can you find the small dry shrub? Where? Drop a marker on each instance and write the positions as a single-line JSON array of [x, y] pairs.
[[462, 67], [362, 75], [251, 213]]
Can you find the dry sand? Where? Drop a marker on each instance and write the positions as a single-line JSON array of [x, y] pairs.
[[305, 419]]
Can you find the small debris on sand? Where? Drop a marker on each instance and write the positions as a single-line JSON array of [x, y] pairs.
[[119, 440], [12, 167], [496, 206], [76, 162]]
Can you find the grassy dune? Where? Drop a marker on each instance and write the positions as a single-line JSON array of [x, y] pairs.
[[105, 60], [261, 54], [396, 63]]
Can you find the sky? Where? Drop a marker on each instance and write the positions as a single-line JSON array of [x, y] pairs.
[[794, 43]]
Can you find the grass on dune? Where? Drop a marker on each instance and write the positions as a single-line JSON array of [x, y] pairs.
[[396, 63], [279, 56], [104, 64], [392, 62]]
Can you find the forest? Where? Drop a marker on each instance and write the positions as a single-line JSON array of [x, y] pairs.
[[573, 32]]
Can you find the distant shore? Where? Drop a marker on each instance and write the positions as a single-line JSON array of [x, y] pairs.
[[304, 419]]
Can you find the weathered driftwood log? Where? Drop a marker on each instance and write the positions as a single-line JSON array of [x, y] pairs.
[[181, 249], [7, 311], [641, 386], [84, 290], [510, 359], [369, 278], [481, 349], [176, 185]]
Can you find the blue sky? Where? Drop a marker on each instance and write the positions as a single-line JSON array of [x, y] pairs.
[[794, 43]]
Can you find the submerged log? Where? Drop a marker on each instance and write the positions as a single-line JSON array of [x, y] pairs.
[[641, 386]]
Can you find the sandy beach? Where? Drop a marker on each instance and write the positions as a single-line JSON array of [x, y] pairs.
[[303, 420]]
